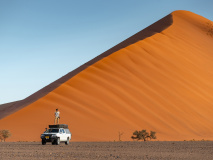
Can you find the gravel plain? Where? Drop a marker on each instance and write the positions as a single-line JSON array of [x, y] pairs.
[[195, 150]]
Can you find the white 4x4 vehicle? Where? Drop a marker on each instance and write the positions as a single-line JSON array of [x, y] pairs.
[[56, 134]]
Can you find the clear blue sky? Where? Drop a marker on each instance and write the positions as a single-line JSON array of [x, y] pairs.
[[42, 40]]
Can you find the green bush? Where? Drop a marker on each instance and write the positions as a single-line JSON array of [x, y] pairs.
[[143, 135], [4, 134]]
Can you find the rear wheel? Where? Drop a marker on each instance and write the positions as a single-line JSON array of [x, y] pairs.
[[57, 141], [43, 141], [67, 142]]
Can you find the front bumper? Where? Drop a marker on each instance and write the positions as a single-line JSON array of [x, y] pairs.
[[49, 138]]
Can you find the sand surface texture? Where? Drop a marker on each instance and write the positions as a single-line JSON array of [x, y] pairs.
[[161, 83], [108, 150]]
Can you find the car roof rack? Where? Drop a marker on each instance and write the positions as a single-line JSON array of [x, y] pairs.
[[59, 126]]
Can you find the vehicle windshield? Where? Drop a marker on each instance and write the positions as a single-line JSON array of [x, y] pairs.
[[52, 131]]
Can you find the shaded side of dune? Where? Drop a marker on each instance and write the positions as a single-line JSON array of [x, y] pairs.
[[7, 108], [157, 27]]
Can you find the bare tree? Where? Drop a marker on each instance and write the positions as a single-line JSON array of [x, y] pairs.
[[4, 134], [119, 135]]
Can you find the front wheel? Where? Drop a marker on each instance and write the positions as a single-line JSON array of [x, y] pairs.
[[57, 141], [67, 142], [53, 142], [43, 141]]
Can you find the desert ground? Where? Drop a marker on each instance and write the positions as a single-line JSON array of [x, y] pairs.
[[108, 150]]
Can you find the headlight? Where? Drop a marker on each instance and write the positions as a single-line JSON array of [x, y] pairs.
[[53, 135], [42, 136]]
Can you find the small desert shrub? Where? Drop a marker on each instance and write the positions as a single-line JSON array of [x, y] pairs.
[[209, 25], [143, 135], [4, 134]]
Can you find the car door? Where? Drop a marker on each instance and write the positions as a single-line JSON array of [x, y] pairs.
[[63, 135]]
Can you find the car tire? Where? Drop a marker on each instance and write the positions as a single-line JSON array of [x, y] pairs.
[[43, 141], [67, 142], [54, 142], [57, 141]]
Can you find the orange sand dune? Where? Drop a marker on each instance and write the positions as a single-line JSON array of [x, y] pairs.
[[161, 82]]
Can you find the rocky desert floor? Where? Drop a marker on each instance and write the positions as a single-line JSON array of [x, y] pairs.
[[108, 150]]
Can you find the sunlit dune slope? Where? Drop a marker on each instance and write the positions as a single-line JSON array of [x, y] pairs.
[[161, 83]]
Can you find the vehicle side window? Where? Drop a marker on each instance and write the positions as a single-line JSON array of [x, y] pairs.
[[67, 131], [63, 130], [60, 131]]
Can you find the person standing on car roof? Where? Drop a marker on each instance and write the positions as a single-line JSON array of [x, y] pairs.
[[57, 116]]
